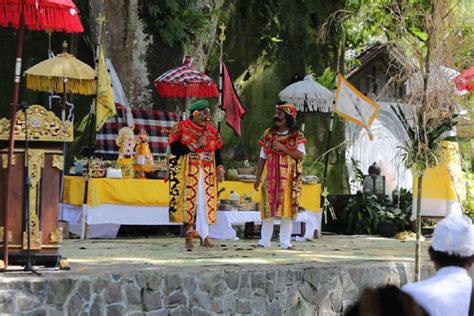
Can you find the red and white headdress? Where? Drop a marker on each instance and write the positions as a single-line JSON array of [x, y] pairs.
[[288, 108]]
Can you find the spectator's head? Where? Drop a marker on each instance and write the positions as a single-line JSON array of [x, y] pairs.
[[453, 242], [386, 300]]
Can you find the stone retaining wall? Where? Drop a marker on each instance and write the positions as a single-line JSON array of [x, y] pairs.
[[300, 289]]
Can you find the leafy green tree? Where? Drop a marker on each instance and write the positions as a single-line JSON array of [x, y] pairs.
[[177, 21], [424, 36]]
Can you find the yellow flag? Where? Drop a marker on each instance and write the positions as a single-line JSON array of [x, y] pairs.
[[105, 105]]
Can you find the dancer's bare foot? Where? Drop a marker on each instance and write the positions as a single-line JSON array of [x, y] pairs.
[[206, 243]]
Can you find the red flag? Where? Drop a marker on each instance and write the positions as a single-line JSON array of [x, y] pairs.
[[231, 103]]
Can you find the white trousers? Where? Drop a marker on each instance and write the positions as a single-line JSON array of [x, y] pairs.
[[286, 227], [202, 226]]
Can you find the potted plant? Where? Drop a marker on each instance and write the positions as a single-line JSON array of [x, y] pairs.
[[360, 216], [391, 221]]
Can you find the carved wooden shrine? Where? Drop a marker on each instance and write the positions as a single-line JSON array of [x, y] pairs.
[[46, 135]]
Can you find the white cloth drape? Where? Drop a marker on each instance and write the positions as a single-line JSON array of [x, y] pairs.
[[202, 226]]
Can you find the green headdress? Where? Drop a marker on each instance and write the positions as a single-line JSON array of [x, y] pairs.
[[199, 105]]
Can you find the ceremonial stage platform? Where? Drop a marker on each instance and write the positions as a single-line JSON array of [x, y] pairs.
[[157, 276]]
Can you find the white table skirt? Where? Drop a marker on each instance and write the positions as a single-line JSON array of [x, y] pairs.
[[437, 208], [104, 221]]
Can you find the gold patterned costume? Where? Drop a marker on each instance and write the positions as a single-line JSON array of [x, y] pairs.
[[281, 176], [191, 159]]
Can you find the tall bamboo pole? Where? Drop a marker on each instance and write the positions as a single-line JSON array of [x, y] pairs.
[[422, 139], [418, 230]]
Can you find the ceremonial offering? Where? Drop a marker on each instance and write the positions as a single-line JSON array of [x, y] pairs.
[[159, 170], [310, 179], [79, 165], [144, 159], [126, 141], [115, 173], [234, 198], [98, 168], [232, 174], [250, 206], [246, 170]]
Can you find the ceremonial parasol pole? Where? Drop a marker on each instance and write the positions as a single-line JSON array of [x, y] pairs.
[[221, 75], [92, 112], [11, 141]]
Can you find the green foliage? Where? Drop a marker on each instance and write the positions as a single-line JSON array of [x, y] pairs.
[[423, 148], [364, 212], [327, 78], [398, 210], [468, 203], [360, 216], [370, 21], [394, 216], [403, 199], [176, 21]]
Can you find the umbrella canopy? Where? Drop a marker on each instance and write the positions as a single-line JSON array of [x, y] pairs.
[[439, 80], [465, 81], [308, 95], [185, 81], [41, 15], [49, 75]]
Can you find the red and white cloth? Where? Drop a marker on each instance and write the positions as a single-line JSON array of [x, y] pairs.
[[157, 123]]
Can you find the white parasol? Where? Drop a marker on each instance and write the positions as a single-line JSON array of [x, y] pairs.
[[308, 95], [440, 80]]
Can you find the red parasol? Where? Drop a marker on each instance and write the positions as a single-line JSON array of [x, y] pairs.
[[53, 15], [185, 81], [40, 15], [465, 81]]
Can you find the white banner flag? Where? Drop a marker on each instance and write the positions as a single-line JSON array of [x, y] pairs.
[[352, 105], [120, 99]]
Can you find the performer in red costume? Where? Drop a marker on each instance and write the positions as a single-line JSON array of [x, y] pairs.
[[196, 144], [280, 171]]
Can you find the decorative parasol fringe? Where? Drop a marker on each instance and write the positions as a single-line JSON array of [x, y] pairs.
[[314, 104], [186, 90], [38, 83], [49, 16]]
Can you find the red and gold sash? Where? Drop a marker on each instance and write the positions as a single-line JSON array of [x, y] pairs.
[[282, 176]]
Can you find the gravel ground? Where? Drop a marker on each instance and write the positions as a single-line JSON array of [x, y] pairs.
[[169, 253]]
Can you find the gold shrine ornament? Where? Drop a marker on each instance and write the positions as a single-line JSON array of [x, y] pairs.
[[43, 125]]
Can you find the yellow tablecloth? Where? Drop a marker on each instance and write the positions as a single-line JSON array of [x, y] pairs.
[[155, 192], [445, 182]]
